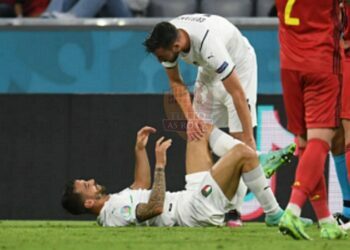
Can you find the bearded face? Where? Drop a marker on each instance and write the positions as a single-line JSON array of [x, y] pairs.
[[90, 189]]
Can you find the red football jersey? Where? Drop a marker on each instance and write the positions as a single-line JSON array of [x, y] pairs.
[[309, 34], [347, 24]]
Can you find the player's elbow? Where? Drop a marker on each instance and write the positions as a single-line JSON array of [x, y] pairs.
[[141, 184], [158, 209]]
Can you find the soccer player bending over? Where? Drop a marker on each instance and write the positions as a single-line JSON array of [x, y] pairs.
[[208, 195]]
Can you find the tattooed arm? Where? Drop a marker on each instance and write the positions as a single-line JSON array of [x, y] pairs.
[[154, 206]]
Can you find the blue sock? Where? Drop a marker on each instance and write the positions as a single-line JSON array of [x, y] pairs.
[[340, 166]]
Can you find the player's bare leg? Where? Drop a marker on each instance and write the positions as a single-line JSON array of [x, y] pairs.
[[233, 217], [310, 183], [242, 161], [198, 160], [318, 195], [221, 143], [270, 162], [227, 171], [198, 156]]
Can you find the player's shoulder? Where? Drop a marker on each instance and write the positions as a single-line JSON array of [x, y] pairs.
[[125, 190], [118, 198], [190, 21], [115, 215], [117, 211]]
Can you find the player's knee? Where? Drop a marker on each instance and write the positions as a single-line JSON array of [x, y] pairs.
[[245, 154], [324, 134], [158, 209]]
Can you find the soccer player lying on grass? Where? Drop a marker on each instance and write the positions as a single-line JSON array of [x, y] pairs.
[[210, 190]]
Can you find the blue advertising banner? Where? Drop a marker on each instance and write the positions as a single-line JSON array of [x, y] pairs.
[[105, 61]]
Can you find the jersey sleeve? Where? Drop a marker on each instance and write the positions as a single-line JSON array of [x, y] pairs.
[[121, 212], [217, 57]]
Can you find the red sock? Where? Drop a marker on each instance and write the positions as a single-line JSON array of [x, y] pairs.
[[297, 194], [347, 157], [319, 199], [309, 171]]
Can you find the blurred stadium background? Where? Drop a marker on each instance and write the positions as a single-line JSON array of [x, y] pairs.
[[74, 91]]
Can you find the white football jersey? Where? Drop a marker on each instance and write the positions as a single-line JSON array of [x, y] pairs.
[[120, 209], [217, 46]]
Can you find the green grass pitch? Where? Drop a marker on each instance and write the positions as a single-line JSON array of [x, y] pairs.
[[87, 235]]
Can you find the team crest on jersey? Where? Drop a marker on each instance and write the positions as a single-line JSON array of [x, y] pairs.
[[222, 68], [125, 212], [206, 190]]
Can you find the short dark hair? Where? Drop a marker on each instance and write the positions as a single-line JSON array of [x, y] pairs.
[[73, 201], [163, 35]]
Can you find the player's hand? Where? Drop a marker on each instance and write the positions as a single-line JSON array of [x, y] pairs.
[[250, 141], [161, 150], [195, 128], [142, 137]]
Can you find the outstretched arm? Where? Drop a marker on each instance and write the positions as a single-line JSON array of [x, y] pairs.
[[180, 91], [195, 126], [142, 178], [154, 206]]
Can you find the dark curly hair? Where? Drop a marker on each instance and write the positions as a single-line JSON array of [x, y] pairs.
[[72, 201], [163, 35]]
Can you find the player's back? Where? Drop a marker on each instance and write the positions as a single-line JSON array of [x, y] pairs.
[[199, 23], [309, 33], [202, 26]]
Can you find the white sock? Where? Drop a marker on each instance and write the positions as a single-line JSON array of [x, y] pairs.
[[294, 208], [220, 142], [257, 183]]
